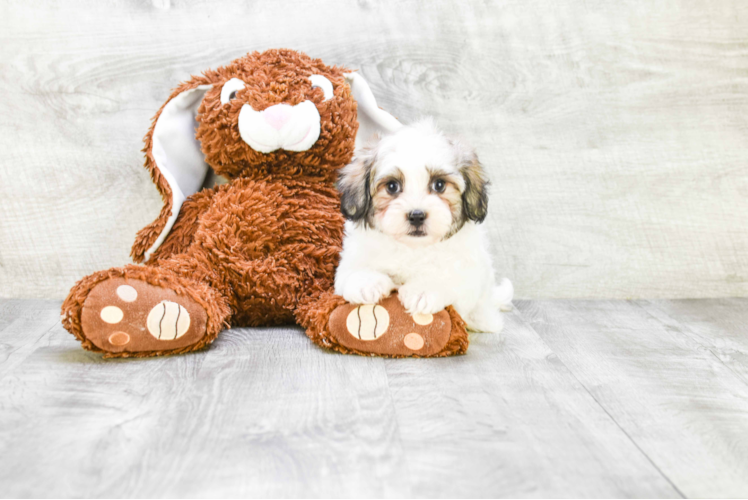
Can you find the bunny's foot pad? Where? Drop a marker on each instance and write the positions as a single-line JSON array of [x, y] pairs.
[[387, 329], [127, 315]]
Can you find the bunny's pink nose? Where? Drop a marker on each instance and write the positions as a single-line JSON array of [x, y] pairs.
[[278, 115]]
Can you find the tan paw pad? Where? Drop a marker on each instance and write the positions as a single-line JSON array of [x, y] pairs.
[[129, 315], [368, 322], [388, 329], [111, 315], [119, 338], [413, 341], [168, 321], [423, 319], [127, 293]]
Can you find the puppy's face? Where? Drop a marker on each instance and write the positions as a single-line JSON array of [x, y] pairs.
[[416, 186]]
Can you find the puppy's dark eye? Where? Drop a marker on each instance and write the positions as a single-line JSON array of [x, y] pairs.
[[232, 95], [439, 185], [393, 187]]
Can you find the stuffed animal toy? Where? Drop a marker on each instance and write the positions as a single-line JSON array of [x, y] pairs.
[[262, 248]]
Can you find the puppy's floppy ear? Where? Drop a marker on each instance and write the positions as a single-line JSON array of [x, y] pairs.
[[354, 184], [475, 195]]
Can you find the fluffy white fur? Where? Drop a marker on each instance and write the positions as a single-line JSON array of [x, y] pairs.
[[444, 261]]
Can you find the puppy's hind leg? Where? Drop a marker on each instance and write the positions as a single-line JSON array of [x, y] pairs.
[[503, 293], [485, 317]]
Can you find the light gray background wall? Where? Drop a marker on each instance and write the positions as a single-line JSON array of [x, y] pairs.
[[616, 132]]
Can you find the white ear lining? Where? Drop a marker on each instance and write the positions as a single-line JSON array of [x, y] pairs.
[[371, 119], [177, 152]]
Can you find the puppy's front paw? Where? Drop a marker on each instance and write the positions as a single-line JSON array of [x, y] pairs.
[[367, 287], [416, 300]]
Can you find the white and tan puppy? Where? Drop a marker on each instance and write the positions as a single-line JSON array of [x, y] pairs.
[[414, 203]]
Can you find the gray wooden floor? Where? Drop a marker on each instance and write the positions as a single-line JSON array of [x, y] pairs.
[[575, 398]]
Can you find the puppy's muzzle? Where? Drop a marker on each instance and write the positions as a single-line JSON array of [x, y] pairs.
[[417, 218], [293, 128]]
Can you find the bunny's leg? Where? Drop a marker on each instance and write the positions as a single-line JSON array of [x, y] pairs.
[[145, 311], [385, 329], [182, 234]]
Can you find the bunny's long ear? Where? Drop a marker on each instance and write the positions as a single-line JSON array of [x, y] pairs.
[[175, 160], [372, 120]]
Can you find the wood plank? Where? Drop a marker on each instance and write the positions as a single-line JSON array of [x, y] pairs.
[[614, 131], [35, 311], [683, 407], [718, 326], [509, 420], [262, 413], [25, 325]]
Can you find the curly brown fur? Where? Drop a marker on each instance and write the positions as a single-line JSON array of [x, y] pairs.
[[215, 306], [275, 77], [272, 77], [182, 233]]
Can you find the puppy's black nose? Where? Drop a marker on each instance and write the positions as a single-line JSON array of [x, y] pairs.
[[416, 217]]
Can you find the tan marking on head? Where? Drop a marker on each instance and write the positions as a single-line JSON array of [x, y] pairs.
[[354, 185], [381, 198], [380, 203], [381, 183], [475, 193]]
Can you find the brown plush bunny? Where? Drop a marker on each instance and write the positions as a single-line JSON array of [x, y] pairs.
[[262, 248]]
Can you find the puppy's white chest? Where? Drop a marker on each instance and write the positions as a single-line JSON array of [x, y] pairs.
[[416, 265]]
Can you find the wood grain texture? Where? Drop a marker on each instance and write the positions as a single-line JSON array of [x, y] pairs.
[[25, 325], [510, 420], [700, 319], [614, 131], [684, 406], [265, 413], [257, 415]]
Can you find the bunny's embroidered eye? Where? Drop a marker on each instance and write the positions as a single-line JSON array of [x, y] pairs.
[[320, 82], [229, 90]]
